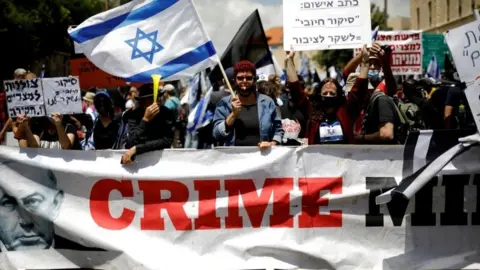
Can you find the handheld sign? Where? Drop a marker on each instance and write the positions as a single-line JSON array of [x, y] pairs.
[[464, 45], [62, 95], [24, 97], [407, 50], [472, 93], [156, 81], [326, 25]]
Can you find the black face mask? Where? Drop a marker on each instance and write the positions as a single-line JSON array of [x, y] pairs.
[[327, 102]]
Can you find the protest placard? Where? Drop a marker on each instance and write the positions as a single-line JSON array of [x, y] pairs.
[[472, 94], [326, 25], [62, 95], [407, 50], [91, 76], [24, 97], [464, 45]]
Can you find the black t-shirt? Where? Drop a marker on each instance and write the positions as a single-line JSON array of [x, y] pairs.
[[105, 137], [247, 128], [381, 112], [50, 140]]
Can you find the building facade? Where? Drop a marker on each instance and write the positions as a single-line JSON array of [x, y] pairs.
[[439, 16], [399, 23]]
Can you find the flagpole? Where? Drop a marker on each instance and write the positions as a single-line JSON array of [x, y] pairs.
[[225, 76], [216, 55]]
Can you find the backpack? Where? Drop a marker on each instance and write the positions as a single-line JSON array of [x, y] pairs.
[[402, 130], [411, 113]]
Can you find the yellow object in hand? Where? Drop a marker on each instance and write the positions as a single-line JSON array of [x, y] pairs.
[[156, 82]]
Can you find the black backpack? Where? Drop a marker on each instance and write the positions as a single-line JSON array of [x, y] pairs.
[[402, 130]]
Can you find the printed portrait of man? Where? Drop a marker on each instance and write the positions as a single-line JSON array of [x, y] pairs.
[[29, 203]]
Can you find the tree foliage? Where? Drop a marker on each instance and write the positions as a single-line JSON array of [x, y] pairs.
[[33, 29], [340, 58]]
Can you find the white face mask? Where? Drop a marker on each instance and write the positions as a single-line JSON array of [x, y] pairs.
[[279, 102]]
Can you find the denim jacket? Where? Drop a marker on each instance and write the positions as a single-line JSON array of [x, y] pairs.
[[270, 124]]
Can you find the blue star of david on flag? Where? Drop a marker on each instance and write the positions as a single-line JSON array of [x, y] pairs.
[[148, 55]]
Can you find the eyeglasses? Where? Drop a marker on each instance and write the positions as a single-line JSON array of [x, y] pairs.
[[242, 78]]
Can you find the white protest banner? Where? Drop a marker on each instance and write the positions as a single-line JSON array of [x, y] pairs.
[[234, 208], [24, 97], [472, 93], [407, 50], [326, 24], [62, 95], [464, 45]]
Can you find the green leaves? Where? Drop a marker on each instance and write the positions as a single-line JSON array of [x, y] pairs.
[[32, 30]]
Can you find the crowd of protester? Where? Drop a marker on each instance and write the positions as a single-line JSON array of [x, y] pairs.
[[374, 107]]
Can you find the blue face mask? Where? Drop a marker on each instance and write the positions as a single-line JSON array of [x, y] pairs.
[[374, 75]]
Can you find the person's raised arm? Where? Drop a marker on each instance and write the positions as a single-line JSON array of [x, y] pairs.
[[24, 134], [296, 91], [65, 139], [360, 87], [5, 128], [352, 65], [385, 57]]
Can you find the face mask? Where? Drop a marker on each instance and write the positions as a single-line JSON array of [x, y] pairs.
[[327, 102], [374, 75]]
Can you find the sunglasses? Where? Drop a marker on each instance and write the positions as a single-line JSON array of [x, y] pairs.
[[241, 78]]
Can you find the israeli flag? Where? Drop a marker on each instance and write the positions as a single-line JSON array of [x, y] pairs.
[[433, 70], [304, 70], [375, 33], [146, 37], [200, 117]]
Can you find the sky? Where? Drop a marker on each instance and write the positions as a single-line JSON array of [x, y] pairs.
[[222, 18]]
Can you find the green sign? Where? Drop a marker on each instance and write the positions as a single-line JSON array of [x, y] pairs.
[[434, 44]]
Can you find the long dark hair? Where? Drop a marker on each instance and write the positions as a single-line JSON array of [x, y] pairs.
[[318, 87]]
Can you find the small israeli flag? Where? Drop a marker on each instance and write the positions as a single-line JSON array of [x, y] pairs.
[[146, 37], [433, 70], [305, 68], [375, 33], [200, 116]]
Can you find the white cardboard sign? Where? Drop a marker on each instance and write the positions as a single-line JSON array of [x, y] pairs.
[[326, 25], [464, 45], [39, 97], [62, 95], [24, 97]]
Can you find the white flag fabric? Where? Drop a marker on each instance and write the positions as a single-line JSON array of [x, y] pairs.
[[433, 70], [271, 69], [146, 37]]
